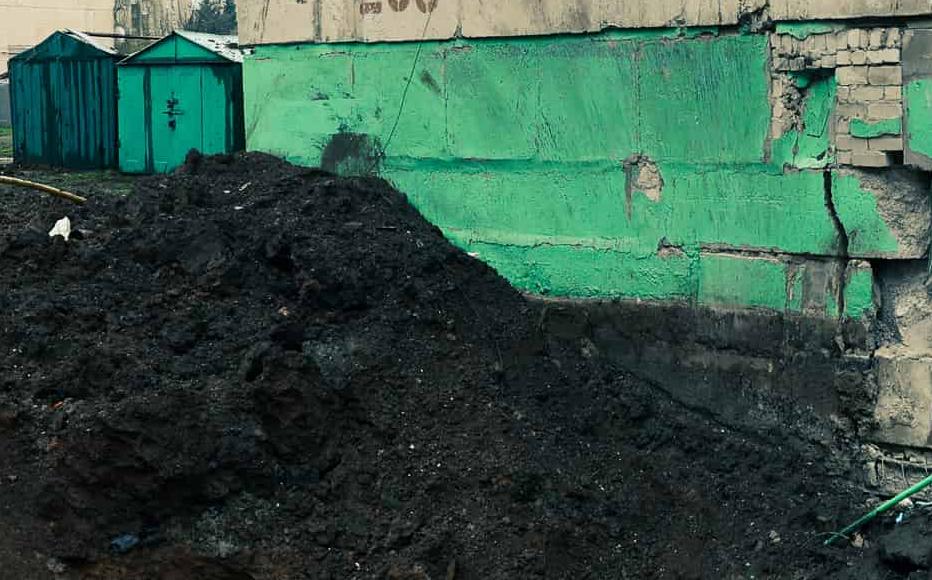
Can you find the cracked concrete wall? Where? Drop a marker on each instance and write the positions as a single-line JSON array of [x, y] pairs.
[[757, 168], [624, 164]]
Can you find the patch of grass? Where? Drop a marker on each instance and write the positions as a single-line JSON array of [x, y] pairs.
[[6, 142]]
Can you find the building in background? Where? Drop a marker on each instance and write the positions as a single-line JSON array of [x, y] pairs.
[[24, 24]]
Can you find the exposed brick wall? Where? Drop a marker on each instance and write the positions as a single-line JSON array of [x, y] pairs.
[[868, 71]]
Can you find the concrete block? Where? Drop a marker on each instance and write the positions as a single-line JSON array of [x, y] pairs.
[[818, 43], [903, 412], [853, 75], [883, 56], [908, 302], [893, 93], [805, 46], [884, 110], [875, 38], [788, 44], [841, 40], [867, 93], [849, 143], [843, 93], [851, 110], [842, 126], [781, 64], [885, 75], [854, 38], [843, 58], [843, 158], [859, 57], [886, 144], [894, 37], [828, 61], [871, 159]]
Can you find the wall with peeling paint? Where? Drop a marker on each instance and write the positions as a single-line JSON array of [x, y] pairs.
[[517, 149], [767, 169]]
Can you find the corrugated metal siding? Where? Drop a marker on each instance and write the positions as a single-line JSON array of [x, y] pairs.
[[64, 112]]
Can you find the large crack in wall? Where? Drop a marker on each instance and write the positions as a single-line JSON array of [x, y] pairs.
[[843, 243]]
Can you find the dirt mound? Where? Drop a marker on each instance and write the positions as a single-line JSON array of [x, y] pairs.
[[253, 370]]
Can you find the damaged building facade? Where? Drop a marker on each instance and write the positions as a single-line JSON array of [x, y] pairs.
[[760, 172]]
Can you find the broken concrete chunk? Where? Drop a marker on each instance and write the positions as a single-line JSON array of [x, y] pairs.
[[885, 216], [907, 308], [643, 176]]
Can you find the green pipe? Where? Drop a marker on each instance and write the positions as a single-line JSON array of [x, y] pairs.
[[879, 510]]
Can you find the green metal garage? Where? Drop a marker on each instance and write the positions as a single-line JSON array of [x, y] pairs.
[[181, 93], [63, 102]]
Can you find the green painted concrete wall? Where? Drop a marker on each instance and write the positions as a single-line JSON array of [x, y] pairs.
[[918, 94], [516, 148]]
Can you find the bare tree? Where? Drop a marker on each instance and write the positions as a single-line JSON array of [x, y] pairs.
[[214, 17]]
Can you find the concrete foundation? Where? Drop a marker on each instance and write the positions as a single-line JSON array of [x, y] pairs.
[[746, 368]]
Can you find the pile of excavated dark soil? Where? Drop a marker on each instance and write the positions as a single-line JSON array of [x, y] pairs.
[[252, 370]]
